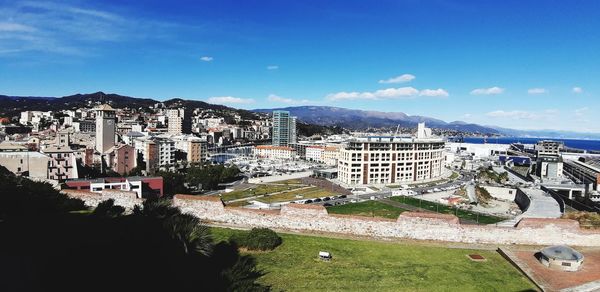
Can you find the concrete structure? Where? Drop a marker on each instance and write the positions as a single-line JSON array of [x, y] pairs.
[[478, 150], [387, 160], [549, 163], [536, 203], [561, 257], [194, 148], [148, 150], [501, 193], [143, 187], [175, 121], [62, 164], [274, 152], [122, 158], [315, 153], [583, 171], [33, 164], [105, 128], [84, 126], [331, 155], [330, 173], [409, 225], [166, 152], [284, 128], [549, 147]]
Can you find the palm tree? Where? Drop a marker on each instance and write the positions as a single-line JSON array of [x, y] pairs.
[[191, 235], [156, 208]]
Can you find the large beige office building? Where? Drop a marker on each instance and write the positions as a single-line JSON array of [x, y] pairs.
[[389, 160]]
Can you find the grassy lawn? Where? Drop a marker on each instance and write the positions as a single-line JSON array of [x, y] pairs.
[[367, 208], [454, 175], [441, 208], [312, 192], [238, 204], [294, 181], [256, 191], [361, 265]]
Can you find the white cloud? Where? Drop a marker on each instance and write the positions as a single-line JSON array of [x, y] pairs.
[[524, 115], [577, 90], [72, 28], [581, 111], [230, 99], [537, 91], [434, 92], [15, 27], [206, 58], [466, 116], [389, 93], [276, 98], [487, 91], [272, 67], [398, 79]]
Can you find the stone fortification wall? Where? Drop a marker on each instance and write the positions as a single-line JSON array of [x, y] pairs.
[[409, 225], [421, 226], [122, 198]]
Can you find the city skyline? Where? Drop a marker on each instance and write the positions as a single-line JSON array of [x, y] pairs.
[[516, 65]]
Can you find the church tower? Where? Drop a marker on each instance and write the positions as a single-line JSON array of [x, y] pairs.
[[105, 128]]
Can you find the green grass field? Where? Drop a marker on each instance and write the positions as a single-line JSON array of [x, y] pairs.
[[367, 208], [441, 208], [309, 193], [361, 265], [257, 191]]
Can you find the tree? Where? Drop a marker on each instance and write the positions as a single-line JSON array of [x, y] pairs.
[[173, 183], [210, 176], [108, 209], [154, 248]]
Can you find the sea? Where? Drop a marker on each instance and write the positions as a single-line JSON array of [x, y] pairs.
[[590, 145]]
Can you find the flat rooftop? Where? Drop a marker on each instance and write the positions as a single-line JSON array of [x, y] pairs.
[[395, 139]]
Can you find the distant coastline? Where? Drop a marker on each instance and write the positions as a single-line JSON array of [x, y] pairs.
[[583, 144]]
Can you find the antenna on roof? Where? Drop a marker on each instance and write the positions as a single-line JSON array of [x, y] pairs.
[[397, 129]]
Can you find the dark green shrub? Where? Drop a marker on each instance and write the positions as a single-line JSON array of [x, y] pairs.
[[108, 209], [257, 239]]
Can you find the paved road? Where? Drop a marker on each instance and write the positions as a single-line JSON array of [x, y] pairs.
[[387, 192], [471, 192]]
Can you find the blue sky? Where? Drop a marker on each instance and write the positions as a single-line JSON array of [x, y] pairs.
[[518, 64]]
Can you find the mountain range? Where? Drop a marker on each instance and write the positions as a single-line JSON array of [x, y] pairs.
[[327, 116], [360, 120]]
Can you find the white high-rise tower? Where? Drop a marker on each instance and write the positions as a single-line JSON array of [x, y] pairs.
[[105, 128]]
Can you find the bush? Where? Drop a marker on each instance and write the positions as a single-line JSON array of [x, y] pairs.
[[257, 239], [108, 209]]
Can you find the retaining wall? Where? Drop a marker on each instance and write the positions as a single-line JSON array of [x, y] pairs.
[[409, 225], [122, 198]]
